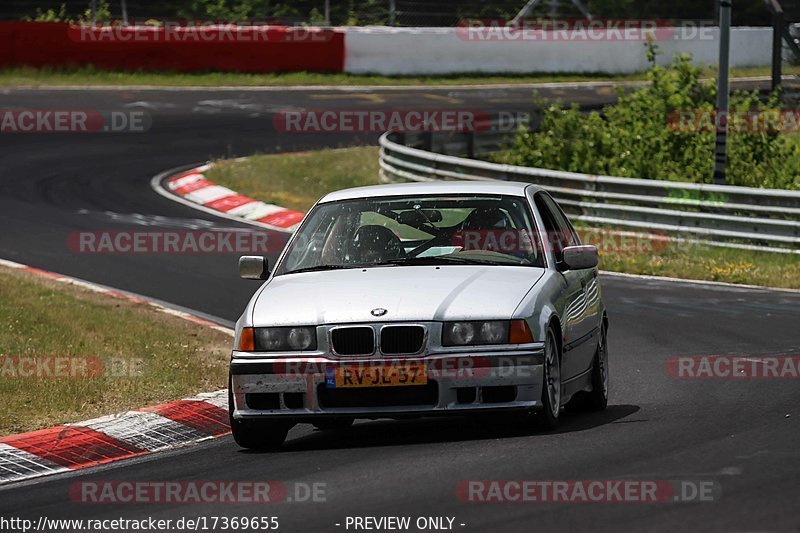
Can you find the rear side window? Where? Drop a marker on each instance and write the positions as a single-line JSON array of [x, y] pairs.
[[559, 230]]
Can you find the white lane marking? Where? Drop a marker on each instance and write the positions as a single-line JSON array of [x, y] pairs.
[[154, 106], [699, 282], [362, 88], [11, 264], [156, 221], [83, 284], [118, 293], [192, 318]]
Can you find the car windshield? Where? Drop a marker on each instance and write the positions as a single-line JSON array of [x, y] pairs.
[[397, 231]]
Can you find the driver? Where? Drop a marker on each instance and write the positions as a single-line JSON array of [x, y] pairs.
[[376, 244], [485, 218]]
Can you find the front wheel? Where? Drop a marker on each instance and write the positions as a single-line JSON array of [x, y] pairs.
[[597, 399], [259, 435], [551, 385]]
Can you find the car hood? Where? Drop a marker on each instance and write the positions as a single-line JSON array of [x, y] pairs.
[[407, 293]]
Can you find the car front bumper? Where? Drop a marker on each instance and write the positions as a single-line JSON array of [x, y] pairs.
[[295, 387]]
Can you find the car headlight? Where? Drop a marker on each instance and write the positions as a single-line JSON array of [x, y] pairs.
[[457, 333], [486, 332], [291, 339], [302, 339], [494, 332]]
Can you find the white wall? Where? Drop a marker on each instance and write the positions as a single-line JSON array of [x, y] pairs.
[[412, 51]]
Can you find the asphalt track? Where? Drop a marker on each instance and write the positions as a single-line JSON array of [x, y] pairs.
[[740, 434]]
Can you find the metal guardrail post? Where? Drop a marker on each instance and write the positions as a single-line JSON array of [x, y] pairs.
[[777, 42], [787, 37], [780, 31], [721, 145], [427, 140], [471, 144]]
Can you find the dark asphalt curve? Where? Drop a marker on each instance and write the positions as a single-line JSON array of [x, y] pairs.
[[740, 435]]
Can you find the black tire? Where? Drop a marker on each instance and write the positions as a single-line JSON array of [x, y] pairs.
[[551, 384], [597, 399], [257, 435], [332, 424]]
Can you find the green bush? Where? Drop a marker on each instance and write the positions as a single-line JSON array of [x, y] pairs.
[[51, 15], [102, 14], [634, 137]]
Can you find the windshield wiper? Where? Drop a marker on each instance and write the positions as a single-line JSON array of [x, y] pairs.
[[427, 260], [321, 268], [445, 259], [431, 260]]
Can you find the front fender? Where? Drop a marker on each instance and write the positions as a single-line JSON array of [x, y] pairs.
[[544, 302]]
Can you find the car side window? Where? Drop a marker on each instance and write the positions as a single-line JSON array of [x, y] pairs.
[[559, 231], [563, 221]]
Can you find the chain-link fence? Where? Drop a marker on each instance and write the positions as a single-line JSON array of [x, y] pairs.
[[396, 12]]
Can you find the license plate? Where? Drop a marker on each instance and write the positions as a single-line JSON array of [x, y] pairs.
[[376, 376]]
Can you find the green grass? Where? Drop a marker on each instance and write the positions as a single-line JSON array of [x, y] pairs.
[[296, 181], [89, 76], [678, 259], [164, 358], [710, 264]]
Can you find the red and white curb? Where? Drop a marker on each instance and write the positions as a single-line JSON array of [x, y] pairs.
[[193, 187], [120, 436], [111, 438]]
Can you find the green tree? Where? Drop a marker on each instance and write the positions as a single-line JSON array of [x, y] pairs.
[[640, 136]]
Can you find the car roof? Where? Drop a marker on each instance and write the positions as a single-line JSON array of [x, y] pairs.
[[507, 188]]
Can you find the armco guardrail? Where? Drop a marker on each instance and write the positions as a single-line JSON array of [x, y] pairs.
[[739, 217]]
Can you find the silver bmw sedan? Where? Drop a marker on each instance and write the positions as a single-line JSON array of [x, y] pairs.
[[440, 298]]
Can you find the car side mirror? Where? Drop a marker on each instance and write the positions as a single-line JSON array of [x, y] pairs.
[[253, 267], [579, 257]]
